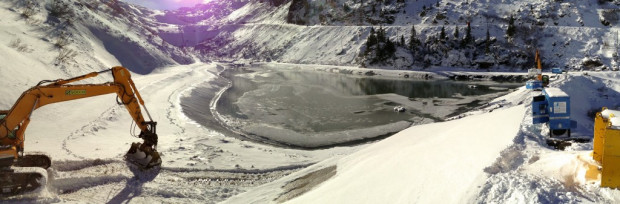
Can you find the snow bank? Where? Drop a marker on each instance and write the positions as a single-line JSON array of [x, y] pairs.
[[607, 113], [434, 163], [612, 115], [569, 167]]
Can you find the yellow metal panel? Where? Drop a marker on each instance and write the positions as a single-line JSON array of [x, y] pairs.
[[600, 125], [612, 143], [10, 152], [607, 151], [611, 172]]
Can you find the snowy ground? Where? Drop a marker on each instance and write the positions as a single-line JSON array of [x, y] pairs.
[[199, 164], [490, 155], [493, 155]]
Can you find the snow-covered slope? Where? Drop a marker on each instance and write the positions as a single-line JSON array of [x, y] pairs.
[[88, 35], [87, 138], [435, 163], [570, 34]]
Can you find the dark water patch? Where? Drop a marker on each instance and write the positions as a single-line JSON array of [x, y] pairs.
[[496, 78], [390, 103], [424, 115], [473, 104]]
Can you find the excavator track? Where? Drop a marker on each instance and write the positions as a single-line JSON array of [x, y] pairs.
[[25, 175], [34, 160], [14, 183]]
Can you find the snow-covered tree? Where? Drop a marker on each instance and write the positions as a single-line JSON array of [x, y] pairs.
[[379, 47]]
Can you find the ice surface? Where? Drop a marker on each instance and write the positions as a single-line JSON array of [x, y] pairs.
[[324, 138], [305, 108]]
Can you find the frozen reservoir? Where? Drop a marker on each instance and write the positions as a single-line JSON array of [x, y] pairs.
[[302, 108]]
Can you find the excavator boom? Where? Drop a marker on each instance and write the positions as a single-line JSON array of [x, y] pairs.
[[13, 123]]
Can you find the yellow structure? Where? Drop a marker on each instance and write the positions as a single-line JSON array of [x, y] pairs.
[[600, 125], [607, 146], [21, 171], [538, 66]]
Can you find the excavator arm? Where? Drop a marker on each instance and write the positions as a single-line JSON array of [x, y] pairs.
[[13, 122]]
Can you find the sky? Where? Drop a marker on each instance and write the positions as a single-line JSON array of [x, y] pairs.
[[166, 4]]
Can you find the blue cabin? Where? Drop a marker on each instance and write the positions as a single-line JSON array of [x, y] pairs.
[[559, 111], [557, 70], [553, 107]]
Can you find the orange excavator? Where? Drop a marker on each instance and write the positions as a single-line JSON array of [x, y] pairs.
[[20, 172]]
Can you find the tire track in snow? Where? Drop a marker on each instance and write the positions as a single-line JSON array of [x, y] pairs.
[[85, 178]]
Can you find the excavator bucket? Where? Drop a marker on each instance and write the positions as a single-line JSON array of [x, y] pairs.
[[143, 156]]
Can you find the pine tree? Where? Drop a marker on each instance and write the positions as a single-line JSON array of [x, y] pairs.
[[511, 27], [402, 40], [371, 40], [468, 38], [413, 39], [456, 32], [442, 34], [389, 49], [468, 33], [381, 34], [488, 42]]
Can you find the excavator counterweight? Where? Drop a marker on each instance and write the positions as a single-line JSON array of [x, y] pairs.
[[16, 168]]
